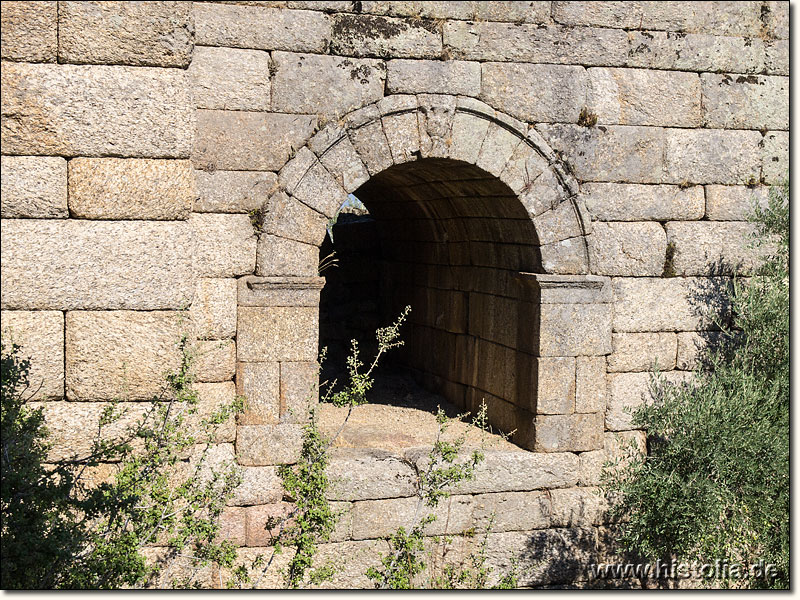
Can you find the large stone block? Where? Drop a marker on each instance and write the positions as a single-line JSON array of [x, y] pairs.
[[156, 34], [302, 83], [260, 485], [131, 188], [215, 360], [30, 31], [211, 398], [631, 249], [590, 384], [775, 157], [578, 507], [259, 533], [230, 79], [512, 511], [76, 110], [572, 433], [516, 12], [628, 391], [693, 346], [248, 141], [286, 258], [745, 102], [713, 248], [433, 77], [289, 218], [213, 311], [632, 202], [369, 475], [776, 59], [575, 329], [365, 35], [535, 93], [620, 15], [260, 445], [34, 187], [381, 518], [555, 389], [299, 390], [712, 156], [634, 352], [121, 354], [259, 383], [70, 264], [233, 191], [225, 245], [717, 18], [277, 333], [262, 28], [734, 202], [41, 337], [644, 97]]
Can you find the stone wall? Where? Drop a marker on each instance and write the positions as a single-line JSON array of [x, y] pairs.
[[560, 187]]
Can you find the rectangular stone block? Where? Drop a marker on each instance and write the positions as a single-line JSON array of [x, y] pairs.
[[260, 485], [555, 386], [713, 248], [776, 59], [261, 27], [512, 511], [259, 383], [572, 433], [622, 15], [211, 398], [299, 390], [258, 519], [632, 202], [81, 110], [213, 311], [260, 445], [141, 265], [34, 187], [232, 524], [286, 258], [745, 102], [215, 360], [717, 18], [357, 474], [564, 289], [288, 217], [634, 352], [156, 34], [590, 384], [628, 391], [630, 249], [277, 333], [302, 83], [30, 31], [775, 157], [693, 345], [381, 518], [248, 141], [575, 329], [230, 79], [712, 156], [383, 37], [131, 188], [233, 191], [433, 77], [41, 337], [644, 97], [578, 507], [225, 245], [734, 202], [120, 354]]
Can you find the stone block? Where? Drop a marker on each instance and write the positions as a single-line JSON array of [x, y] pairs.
[[512, 511], [578, 507], [634, 352], [575, 329], [250, 559], [591, 467], [230, 79], [571, 433], [535, 93], [259, 519], [341, 160], [713, 248], [232, 524], [712, 156], [215, 360], [70, 264], [498, 146], [299, 390], [281, 333], [260, 485], [468, 133], [34, 187], [213, 311], [402, 133], [248, 141], [30, 31], [632, 202], [155, 34], [775, 157], [280, 291], [692, 345], [260, 445], [777, 19], [745, 102], [621, 15], [433, 77], [565, 289], [120, 354], [41, 337], [628, 391], [261, 27], [381, 518], [629, 249], [211, 397], [233, 191], [644, 97], [289, 218], [590, 384], [384, 37], [225, 245], [716, 18], [286, 258], [734, 202], [555, 389], [259, 383], [81, 110], [302, 83], [131, 188], [776, 57], [318, 189], [369, 475]]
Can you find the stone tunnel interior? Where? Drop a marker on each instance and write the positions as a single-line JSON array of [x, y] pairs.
[[447, 239]]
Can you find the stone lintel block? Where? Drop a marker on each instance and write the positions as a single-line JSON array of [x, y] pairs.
[[299, 390], [280, 291], [572, 433], [555, 388], [259, 383], [215, 360], [30, 31], [263, 445], [277, 333], [213, 311], [225, 244], [34, 187], [590, 384], [279, 257], [41, 337], [566, 289]]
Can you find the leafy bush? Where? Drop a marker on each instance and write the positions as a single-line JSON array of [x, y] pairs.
[[715, 482]]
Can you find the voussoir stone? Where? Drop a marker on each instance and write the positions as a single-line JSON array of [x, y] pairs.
[[633, 202], [34, 187], [631, 249], [75, 264], [131, 188], [230, 79], [30, 31], [158, 34], [41, 337], [90, 110], [367, 35]]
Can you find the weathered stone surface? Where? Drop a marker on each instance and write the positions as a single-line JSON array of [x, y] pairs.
[[351, 561], [258, 517], [225, 245], [711, 156], [578, 507], [120, 354], [259, 383], [34, 187], [745, 102], [213, 311], [131, 188], [777, 19], [498, 146], [590, 384], [30, 31], [775, 157], [434, 77], [233, 191], [402, 131], [156, 34], [259, 445], [74, 110], [644, 97], [633, 352], [314, 187], [512, 511], [280, 291], [515, 12], [70, 264], [733, 202], [262, 28], [337, 154], [368, 475], [250, 559], [303, 82], [717, 18], [290, 218], [622, 15], [573, 433], [627, 391], [776, 57], [631, 249], [567, 289], [365, 35], [230, 79], [535, 93], [616, 447], [41, 337], [673, 304], [693, 344], [381, 518], [632, 202], [279, 257], [233, 525], [713, 248], [555, 390], [211, 397], [215, 360], [575, 329], [277, 333], [260, 485], [299, 390]]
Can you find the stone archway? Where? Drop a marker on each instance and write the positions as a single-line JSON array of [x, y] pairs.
[[538, 326]]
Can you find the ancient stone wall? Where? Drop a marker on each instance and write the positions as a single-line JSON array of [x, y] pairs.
[[560, 188]]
